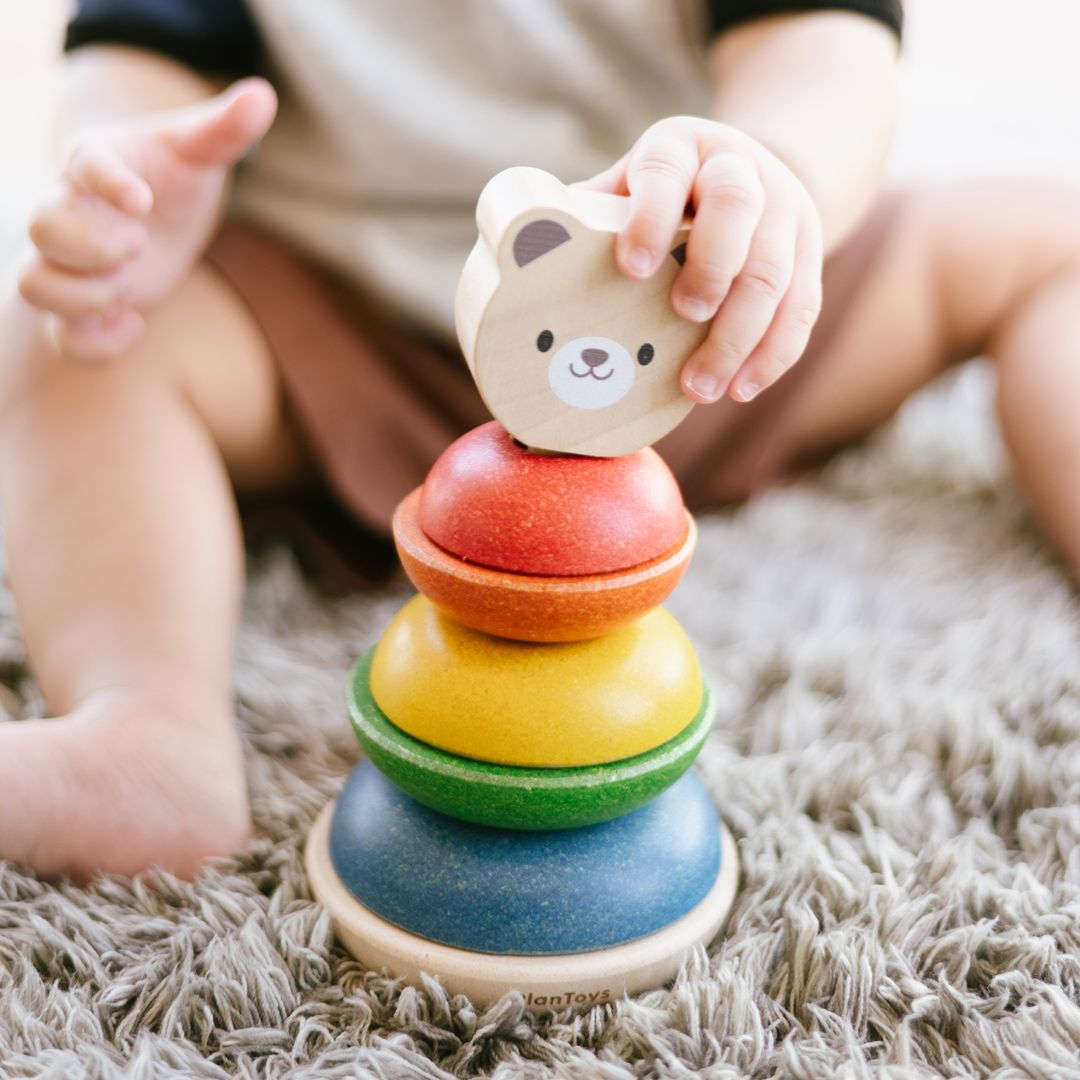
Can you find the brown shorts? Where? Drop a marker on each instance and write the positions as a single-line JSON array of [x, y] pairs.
[[378, 402]]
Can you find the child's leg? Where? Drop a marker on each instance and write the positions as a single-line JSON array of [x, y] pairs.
[[988, 266], [126, 562]]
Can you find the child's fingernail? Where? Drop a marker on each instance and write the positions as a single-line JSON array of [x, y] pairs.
[[747, 391], [694, 308], [639, 261], [704, 386]]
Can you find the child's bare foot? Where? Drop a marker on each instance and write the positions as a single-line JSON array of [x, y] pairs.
[[126, 781]]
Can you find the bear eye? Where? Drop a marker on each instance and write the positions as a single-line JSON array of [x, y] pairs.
[[645, 354], [545, 340]]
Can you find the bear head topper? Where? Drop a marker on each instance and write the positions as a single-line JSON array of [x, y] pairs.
[[569, 354]]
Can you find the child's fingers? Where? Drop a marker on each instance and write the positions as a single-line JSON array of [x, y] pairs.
[[659, 177], [52, 288], [96, 338], [84, 233], [728, 202], [746, 313], [222, 130], [97, 169], [612, 180], [786, 339]]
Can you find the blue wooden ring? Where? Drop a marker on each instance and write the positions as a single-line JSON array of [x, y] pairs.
[[526, 893]]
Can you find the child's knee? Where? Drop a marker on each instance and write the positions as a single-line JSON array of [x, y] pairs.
[[989, 243], [34, 370], [1066, 210], [176, 360], [29, 360]]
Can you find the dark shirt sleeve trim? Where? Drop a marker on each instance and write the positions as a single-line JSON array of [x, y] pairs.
[[723, 14], [212, 36]]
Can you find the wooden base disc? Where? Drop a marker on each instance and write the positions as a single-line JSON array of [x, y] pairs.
[[547, 983]]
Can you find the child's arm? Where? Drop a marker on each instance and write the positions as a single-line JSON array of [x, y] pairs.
[[820, 92], [139, 193], [804, 110], [109, 83]]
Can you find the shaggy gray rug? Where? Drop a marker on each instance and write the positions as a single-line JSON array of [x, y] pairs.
[[898, 753]]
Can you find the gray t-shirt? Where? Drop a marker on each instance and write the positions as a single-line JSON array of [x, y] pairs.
[[394, 116]]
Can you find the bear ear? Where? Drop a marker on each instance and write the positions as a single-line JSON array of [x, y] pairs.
[[536, 238], [679, 254]]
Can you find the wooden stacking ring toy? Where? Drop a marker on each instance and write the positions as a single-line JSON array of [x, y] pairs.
[[527, 819]]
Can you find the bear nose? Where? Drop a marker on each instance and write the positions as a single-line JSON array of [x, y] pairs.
[[593, 357]]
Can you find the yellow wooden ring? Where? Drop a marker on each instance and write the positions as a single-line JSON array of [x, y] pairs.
[[523, 703]]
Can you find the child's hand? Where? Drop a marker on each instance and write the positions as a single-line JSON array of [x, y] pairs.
[[133, 210], [753, 257]]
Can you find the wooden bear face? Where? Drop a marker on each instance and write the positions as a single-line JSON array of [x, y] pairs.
[[569, 355]]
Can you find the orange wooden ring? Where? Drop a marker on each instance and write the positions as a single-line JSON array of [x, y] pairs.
[[527, 607]]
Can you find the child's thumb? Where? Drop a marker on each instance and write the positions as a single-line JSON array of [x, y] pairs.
[[222, 130]]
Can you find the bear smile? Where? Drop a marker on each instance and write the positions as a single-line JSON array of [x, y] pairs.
[[591, 372]]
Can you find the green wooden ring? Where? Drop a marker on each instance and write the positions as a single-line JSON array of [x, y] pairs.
[[511, 797]]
